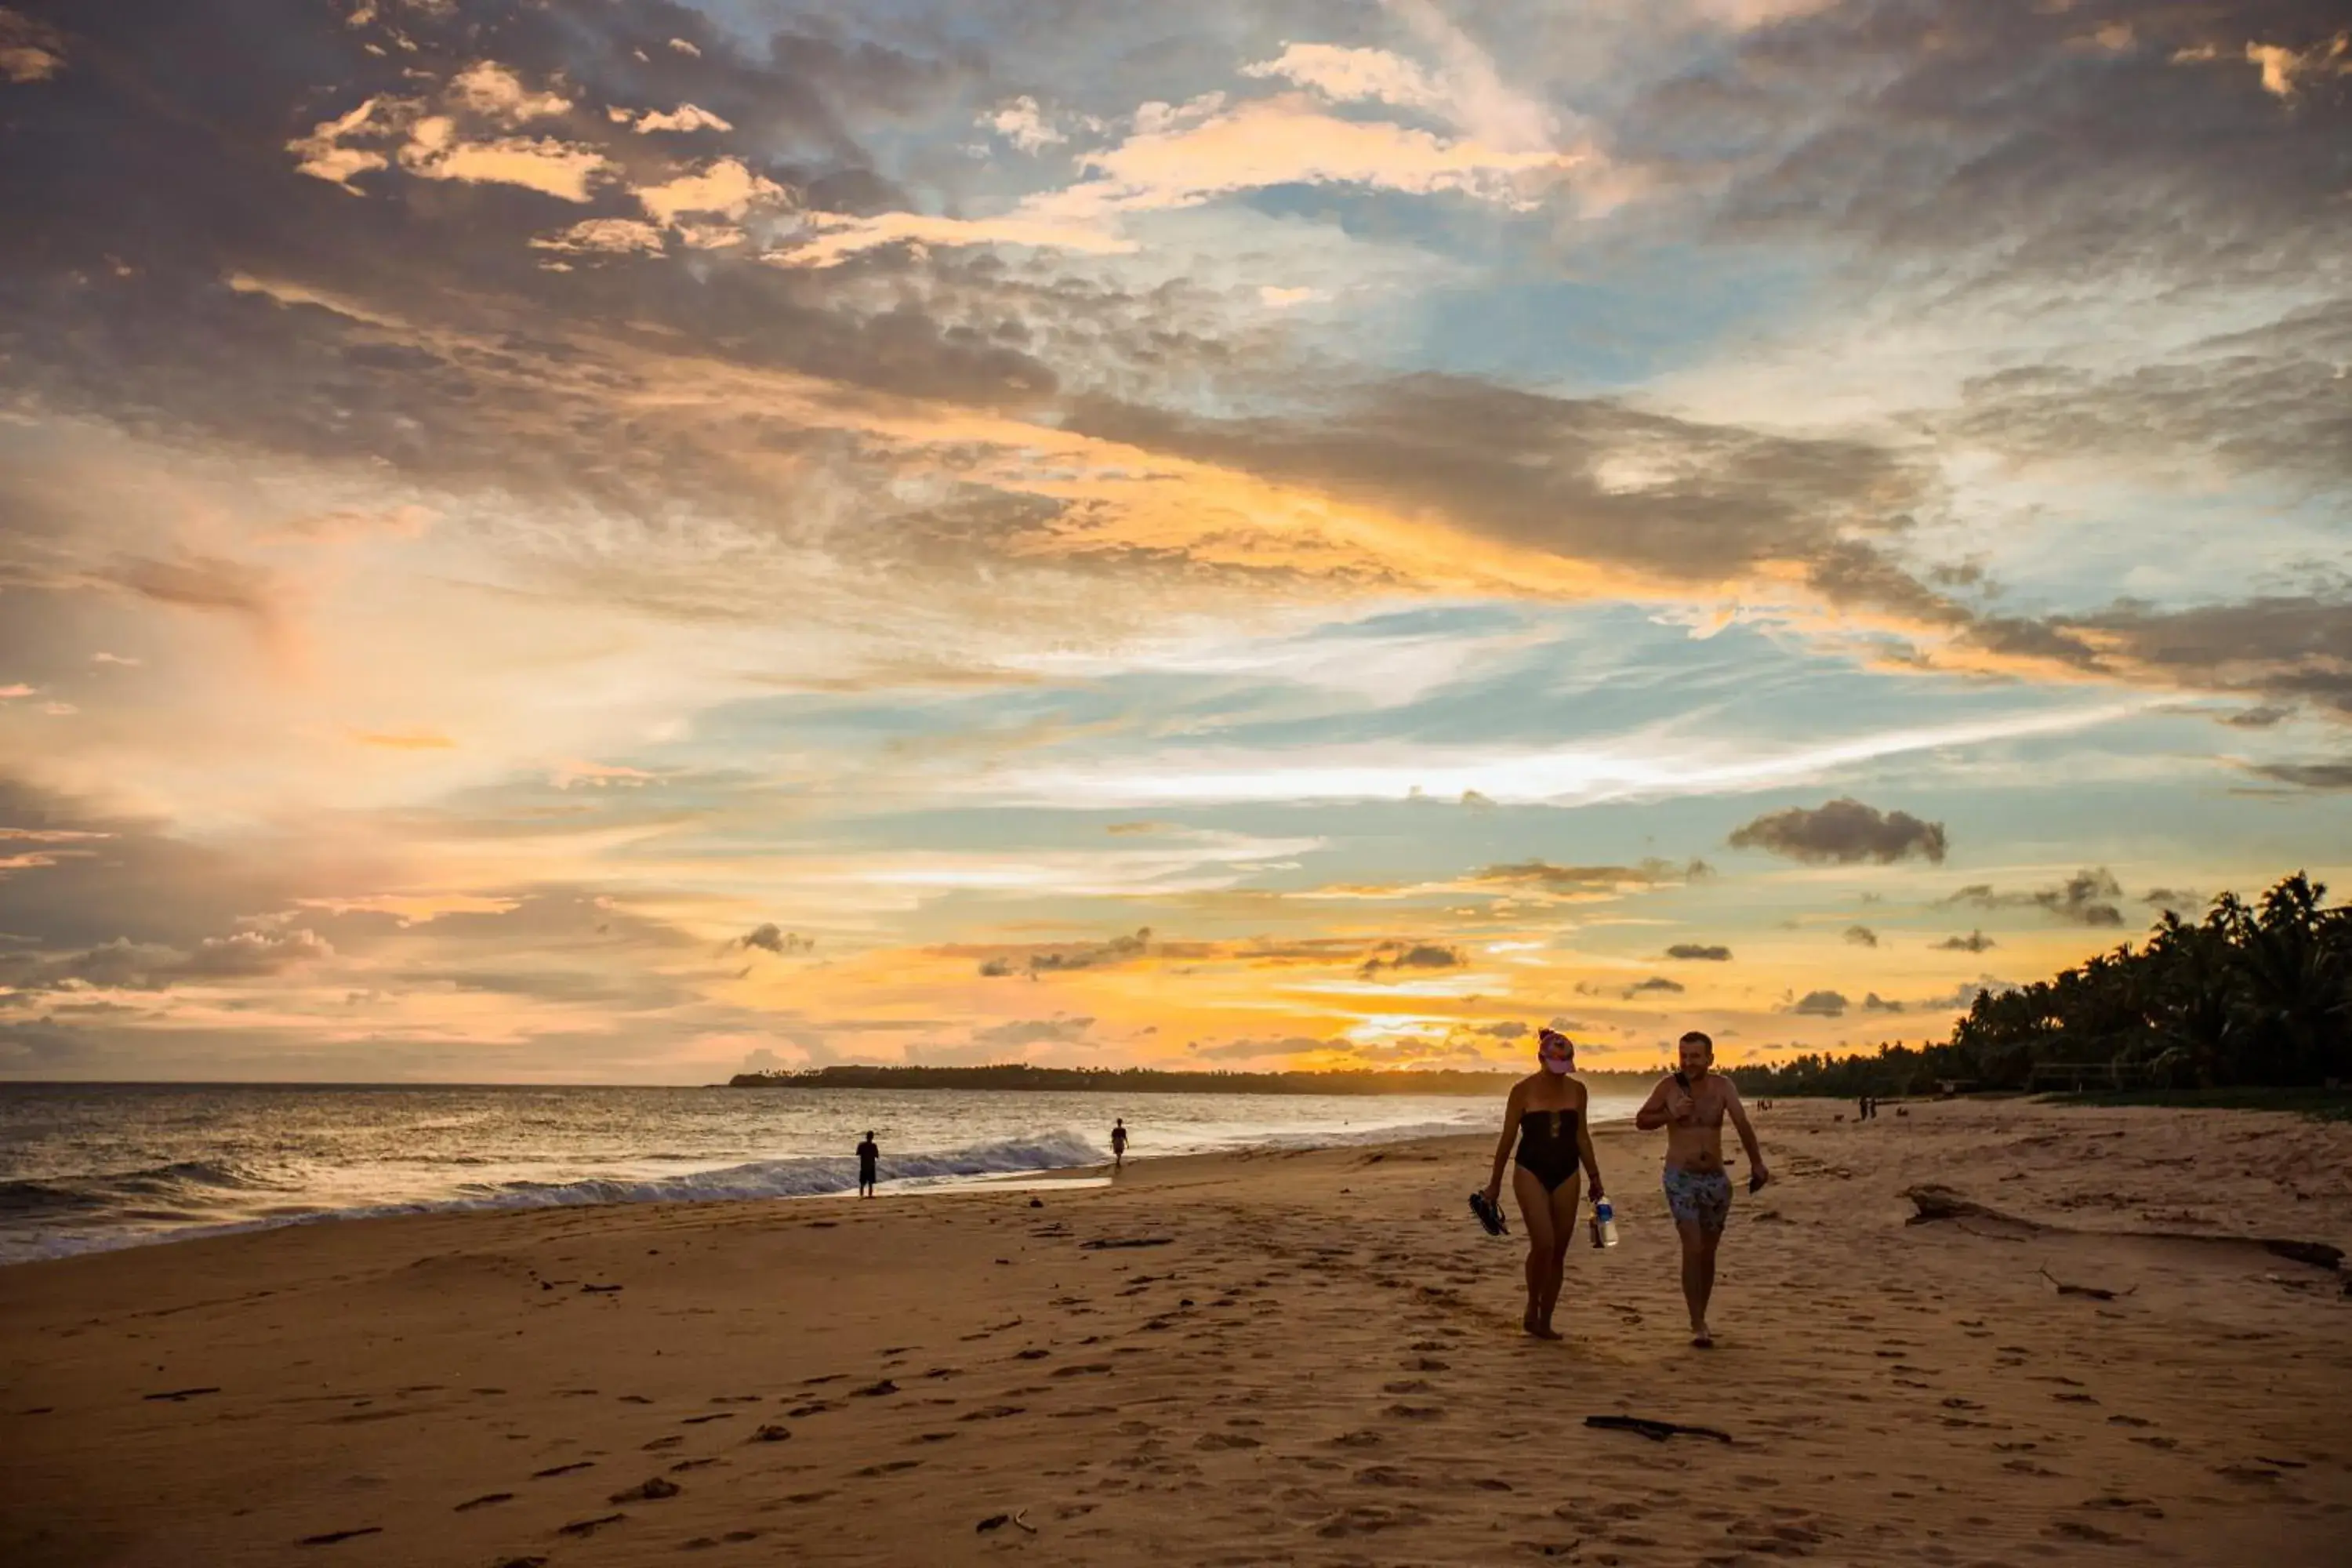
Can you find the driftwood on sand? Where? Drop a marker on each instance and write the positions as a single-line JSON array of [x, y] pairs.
[[1940, 1203]]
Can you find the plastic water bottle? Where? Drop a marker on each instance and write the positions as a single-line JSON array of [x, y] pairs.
[[1605, 1223]]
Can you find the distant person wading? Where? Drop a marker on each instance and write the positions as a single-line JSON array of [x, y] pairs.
[[1544, 1122], [869, 1156], [1119, 1144]]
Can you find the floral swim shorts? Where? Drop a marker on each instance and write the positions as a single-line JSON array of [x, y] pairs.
[[1699, 1197]]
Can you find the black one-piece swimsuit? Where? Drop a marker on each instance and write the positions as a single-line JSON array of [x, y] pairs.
[[1548, 1146]]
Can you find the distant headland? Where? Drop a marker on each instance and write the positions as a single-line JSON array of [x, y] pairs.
[[1153, 1081]]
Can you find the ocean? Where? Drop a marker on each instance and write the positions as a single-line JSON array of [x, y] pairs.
[[89, 1167]]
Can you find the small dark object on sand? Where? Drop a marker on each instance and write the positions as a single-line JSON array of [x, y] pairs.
[[652, 1491], [1036, 1203], [597, 1290], [334, 1535], [1656, 1431], [993, 1521], [1488, 1215], [176, 1395], [2095, 1292], [772, 1433], [1133, 1241]]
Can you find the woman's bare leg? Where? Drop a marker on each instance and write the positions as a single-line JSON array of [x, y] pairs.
[[1543, 1279], [1563, 1233]]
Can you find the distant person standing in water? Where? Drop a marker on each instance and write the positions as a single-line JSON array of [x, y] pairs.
[[1691, 1106], [1545, 1121], [869, 1154], [1119, 1144]]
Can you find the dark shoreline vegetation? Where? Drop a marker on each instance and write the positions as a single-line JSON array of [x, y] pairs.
[[2254, 997], [1155, 1080]]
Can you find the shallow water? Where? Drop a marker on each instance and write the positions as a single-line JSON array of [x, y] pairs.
[[86, 1166]]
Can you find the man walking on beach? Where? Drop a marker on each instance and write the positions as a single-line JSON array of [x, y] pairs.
[[869, 1154], [1119, 1144], [1691, 1106]]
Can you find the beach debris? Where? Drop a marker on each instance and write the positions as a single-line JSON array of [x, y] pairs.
[[1036, 1203], [993, 1521], [330, 1537], [2316, 1253], [1935, 1202], [652, 1490], [1655, 1430], [1110, 1244], [177, 1395], [1939, 1203], [772, 1433], [2095, 1292]]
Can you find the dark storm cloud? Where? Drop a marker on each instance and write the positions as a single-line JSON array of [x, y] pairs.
[[2086, 898], [770, 937], [1541, 876], [2268, 402], [1592, 478], [2309, 775], [2284, 647], [118, 878], [1844, 831], [1083, 955], [1700, 951], [2094, 140], [129, 195], [1395, 957]]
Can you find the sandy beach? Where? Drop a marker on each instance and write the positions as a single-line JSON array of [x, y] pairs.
[[1307, 1358]]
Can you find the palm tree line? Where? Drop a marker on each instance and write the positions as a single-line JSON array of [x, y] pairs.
[[2254, 994]]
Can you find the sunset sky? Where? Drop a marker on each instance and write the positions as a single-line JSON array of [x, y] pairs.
[[620, 540]]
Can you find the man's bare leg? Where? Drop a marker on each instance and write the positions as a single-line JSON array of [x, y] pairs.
[[1698, 1276], [1543, 1272]]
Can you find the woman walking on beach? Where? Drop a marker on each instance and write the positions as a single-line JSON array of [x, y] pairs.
[[1545, 1121]]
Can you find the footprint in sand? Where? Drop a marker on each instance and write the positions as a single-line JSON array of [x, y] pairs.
[[590, 1526]]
